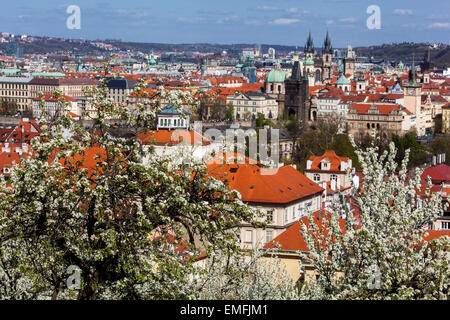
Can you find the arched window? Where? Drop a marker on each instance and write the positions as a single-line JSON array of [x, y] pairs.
[[333, 177], [316, 177]]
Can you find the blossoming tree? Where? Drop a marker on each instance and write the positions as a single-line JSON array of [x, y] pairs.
[[380, 252]]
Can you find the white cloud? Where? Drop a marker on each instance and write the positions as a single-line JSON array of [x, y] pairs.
[[267, 8], [284, 21], [291, 10], [329, 22], [439, 25], [227, 19], [350, 20], [403, 12]]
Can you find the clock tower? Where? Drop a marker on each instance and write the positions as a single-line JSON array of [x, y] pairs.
[[412, 99]]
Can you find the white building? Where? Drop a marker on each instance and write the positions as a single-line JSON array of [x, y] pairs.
[[248, 105]]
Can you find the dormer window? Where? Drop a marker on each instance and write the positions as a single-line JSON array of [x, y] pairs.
[[325, 165]]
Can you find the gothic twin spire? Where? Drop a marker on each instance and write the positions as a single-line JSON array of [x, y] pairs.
[[309, 46]]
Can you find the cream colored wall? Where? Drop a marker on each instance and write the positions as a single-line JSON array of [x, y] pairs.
[[279, 224]]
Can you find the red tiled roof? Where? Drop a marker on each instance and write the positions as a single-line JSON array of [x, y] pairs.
[[8, 159], [291, 239], [385, 109], [330, 156], [51, 97], [438, 174], [283, 186], [163, 137]]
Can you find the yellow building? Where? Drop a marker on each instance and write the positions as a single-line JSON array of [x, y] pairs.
[[446, 118]]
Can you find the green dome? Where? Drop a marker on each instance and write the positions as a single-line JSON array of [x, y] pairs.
[[342, 80], [276, 75]]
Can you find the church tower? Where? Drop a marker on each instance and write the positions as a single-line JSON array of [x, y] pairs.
[[309, 47], [349, 62], [327, 54], [426, 64], [296, 92], [412, 99]]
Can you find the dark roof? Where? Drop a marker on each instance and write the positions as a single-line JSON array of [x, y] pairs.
[[63, 81], [121, 84]]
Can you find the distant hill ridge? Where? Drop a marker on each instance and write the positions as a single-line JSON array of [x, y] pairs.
[[396, 51]]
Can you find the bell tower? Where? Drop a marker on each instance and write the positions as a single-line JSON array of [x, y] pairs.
[[327, 54], [412, 98]]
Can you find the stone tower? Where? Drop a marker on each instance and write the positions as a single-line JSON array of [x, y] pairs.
[[296, 94], [327, 55], [349, 62]]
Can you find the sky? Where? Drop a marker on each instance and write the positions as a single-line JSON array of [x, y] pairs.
[[284, 22]]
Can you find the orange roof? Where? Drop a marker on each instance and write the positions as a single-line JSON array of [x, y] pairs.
[[283, 186], [90, 157], [331, 157], [384, 109], [291, 239], [8, 159], [24, 132], [163, 137], [71, 114], [51, 97]]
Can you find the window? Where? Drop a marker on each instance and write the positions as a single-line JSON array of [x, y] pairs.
[[445, 225], [316, 177], [269, 235], [301, 212], [285, 215], [269, 217], [248, 236], [333, 177], [293, 213]]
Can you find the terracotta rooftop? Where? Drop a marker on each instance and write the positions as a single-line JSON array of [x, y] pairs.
[[284, 186]]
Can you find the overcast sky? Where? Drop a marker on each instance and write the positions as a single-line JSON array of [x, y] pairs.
[[233, 21]]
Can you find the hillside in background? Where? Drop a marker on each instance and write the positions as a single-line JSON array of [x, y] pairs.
[[391, 52], [404, 52]]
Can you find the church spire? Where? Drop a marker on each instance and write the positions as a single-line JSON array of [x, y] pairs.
[[327, 44], [309, 47]]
